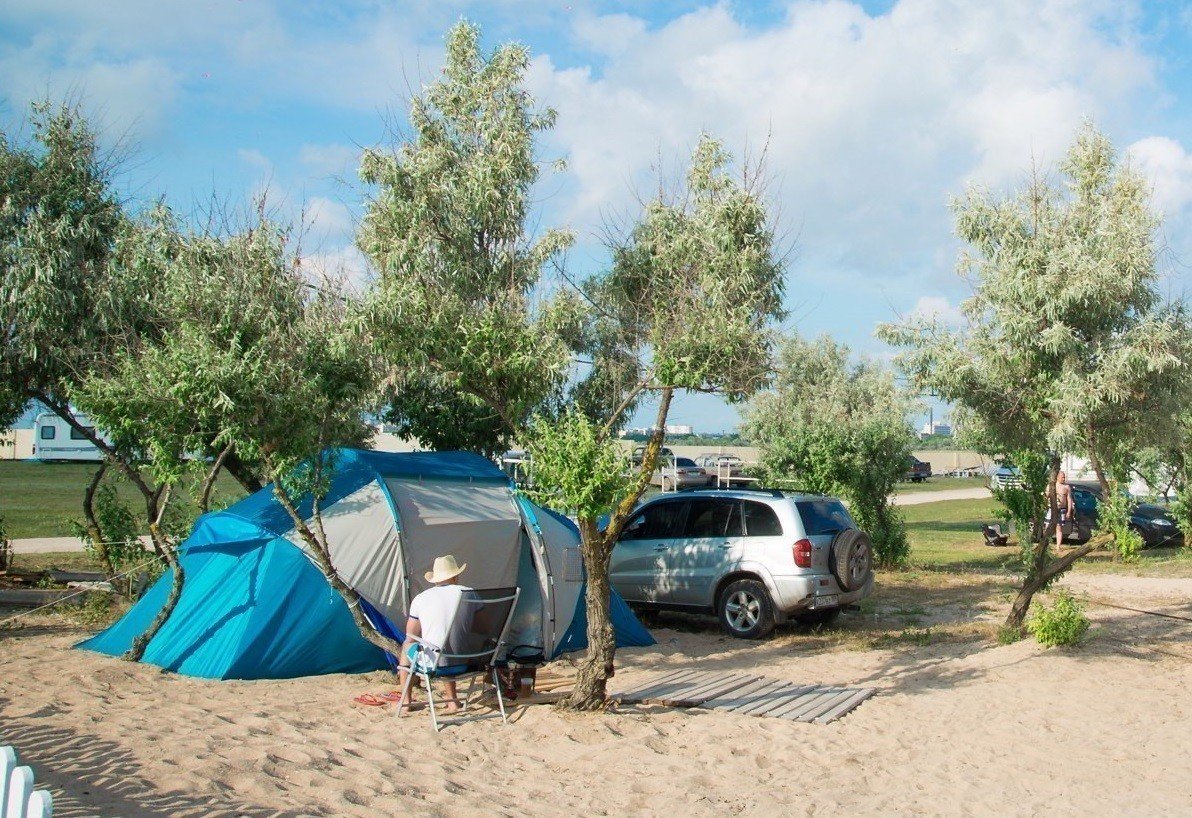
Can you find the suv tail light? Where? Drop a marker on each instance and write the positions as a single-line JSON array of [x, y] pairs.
[[803, 553]]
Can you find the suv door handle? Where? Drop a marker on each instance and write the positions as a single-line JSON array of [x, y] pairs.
[[726, 544], [660, 547]]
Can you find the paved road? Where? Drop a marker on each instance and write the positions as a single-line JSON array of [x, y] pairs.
[[45, 545], [915, 498]]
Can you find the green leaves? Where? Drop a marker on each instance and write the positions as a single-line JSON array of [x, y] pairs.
[[837, 427], [454, 307], [577, 466]]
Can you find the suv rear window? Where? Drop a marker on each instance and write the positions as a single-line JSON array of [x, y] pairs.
[[760, 520], [824, 516]]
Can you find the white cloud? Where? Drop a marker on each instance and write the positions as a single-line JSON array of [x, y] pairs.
[[255, 159], [345, 263], [327, 219], [330, 160], [1169, 167], [937, 308], [872, 121]]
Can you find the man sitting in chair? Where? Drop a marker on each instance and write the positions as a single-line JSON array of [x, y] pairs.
[[431, 615]]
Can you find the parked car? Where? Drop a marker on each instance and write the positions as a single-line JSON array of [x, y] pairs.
[[721, 467], [639, 452], [916, 470], [1006, 477], [752, 557], [1153, 522], [678, 473]]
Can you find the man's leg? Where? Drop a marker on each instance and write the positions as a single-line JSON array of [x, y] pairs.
[[449, 692], [405, 680]]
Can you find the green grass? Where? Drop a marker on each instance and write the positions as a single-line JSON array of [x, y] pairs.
[[942, 484], [40, 499], [58, 561], [946, 536]]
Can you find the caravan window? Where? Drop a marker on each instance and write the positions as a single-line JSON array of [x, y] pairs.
[[75, 434], [48, 432]]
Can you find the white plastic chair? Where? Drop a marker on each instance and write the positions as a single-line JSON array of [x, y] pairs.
[[18, 799], [8, 763], [41, 805], [20, 788]]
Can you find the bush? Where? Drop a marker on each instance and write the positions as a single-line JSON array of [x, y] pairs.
[[1064, 623]]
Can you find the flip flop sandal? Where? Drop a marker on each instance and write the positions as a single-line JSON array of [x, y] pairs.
[[370, 700], [394, 696]]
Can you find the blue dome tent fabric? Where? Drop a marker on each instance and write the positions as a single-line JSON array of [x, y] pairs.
[[254, 606]]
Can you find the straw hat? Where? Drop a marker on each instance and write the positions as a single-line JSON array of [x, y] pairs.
[[445, 568]]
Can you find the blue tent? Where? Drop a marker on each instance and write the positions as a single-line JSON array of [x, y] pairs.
[[254, 606]]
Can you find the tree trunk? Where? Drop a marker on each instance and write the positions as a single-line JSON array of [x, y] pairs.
[[98, 538], [597, 668], [246, 476], [322, 558], [596, 547], [1034, 579], [137, 650], [209, 481]]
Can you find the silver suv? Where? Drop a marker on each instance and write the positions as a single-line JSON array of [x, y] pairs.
[[753, 557]]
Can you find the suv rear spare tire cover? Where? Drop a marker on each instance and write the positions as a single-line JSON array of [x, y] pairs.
[[851, 559]]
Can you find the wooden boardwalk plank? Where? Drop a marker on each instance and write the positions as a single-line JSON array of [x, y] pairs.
[[721, 701], [824, 695], [750, 694], [722, 685], [797, 702], [764, 699], [784, 699], [823, 707], [845, 707], [656, 681], [672, 685]]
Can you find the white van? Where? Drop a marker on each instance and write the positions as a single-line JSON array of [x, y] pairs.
[[55, 439]]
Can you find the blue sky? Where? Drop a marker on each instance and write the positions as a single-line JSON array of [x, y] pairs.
[[874, 114]]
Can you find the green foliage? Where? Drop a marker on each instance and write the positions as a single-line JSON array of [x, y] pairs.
[[60, 309], [1068, 346], [840, 428], [121, 529], [5, 546], [1064, 623], [576, 467], [1113, 517], [453, 312]]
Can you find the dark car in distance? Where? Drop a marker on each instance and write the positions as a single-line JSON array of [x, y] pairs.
[[916, 470], [1152, 521]]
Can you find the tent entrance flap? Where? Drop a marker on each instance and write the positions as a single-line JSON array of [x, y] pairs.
[[476, 522]]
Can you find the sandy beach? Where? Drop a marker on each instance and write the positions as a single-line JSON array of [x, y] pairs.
[[957, 728]]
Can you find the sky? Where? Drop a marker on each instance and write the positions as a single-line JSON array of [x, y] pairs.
[[871, 115]]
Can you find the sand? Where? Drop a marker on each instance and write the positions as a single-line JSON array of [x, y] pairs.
[[966, 728]]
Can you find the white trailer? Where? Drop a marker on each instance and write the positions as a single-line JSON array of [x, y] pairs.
[[55, 439]]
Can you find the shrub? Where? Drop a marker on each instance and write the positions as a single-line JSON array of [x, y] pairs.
[[1064, 623]]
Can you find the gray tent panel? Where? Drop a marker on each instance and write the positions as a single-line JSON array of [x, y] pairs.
[[476, 522]]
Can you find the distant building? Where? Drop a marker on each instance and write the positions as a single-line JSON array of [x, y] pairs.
[[935, 428], [680, 429]]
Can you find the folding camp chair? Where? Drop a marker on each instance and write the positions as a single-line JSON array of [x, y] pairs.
[[994, 536], [474, 638]]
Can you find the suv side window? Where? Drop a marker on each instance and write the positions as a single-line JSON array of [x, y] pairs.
[[656, 522], [760, 520], [824, 516], [713, 518]]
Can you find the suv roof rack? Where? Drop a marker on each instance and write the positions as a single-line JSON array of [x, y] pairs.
[[752, 489]]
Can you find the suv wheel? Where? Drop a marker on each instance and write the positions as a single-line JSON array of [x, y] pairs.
[[745, 609], [852, 559]]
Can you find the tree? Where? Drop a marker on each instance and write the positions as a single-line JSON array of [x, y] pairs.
[[454, 313], [64, 309], [1069, 347], [836, 427], [687, 305]]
